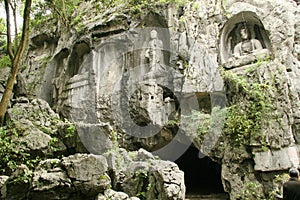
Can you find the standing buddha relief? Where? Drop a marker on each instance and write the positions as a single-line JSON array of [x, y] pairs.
[[154, 54]]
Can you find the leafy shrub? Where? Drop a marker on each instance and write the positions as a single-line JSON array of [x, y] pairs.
[[250, 110], [5, 61], [10, 155]]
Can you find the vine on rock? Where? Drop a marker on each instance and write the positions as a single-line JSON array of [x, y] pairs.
[[249, 111]]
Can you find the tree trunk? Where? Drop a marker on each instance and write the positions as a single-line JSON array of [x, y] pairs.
[[7, 93], [15, 58]]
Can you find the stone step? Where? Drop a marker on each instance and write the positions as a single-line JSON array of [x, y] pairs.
[[206, 197]]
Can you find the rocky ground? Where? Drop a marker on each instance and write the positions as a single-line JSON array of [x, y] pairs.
[[51, 163]]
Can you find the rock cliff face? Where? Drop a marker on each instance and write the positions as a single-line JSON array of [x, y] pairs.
[[177, 75]]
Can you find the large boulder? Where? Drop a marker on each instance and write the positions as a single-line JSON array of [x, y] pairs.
[[87, 172], [40, 131], [50, 181], [74, 177], [18, 184], [141, 174]]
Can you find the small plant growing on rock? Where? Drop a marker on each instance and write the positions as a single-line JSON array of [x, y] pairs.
[[142, 175], [250, 192], [250, 110], [70, 131], [11, 155]]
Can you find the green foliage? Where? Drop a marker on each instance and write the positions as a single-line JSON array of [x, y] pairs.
[[195, 6], [278, 181], [205, 121], [61, 10], [142, 175], [45, 59], [140, 5], [71, 14], [7, 148], [173, 122], [251, 109], [40, 14], [24, 177], [11, 156], [2, 25], [2, 34], [260, 59], [104, 177], [54, 142], [77, 19], [251, 192], [46, 130], [70, 131], [114, 139], [5, 61]]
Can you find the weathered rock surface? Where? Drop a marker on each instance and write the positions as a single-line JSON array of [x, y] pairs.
[[17, 185], [140, 174], [111, 81], [87, 173], [81, 175], [51, 181], [75, 177], [3, 78], [276, 160], [40, 130], [3, 179], [88, 176]]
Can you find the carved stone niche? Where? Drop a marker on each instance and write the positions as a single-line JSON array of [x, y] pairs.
[[243, 41]]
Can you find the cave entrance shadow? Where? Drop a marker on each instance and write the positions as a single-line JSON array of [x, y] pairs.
[[202, 175]]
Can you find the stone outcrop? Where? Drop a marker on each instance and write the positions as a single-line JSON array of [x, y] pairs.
[[88, 176], [140, 173], [79, 176], [276, 160], [138, 80], [40, 130]]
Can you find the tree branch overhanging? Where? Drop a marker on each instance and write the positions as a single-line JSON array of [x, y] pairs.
[[15, 58], [8, 35]]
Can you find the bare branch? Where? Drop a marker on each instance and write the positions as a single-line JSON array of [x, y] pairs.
[[14, 8], [25, 30], [9, 41]]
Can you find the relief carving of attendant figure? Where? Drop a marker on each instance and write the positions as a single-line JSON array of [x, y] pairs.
[[247, 45], [154, 54]]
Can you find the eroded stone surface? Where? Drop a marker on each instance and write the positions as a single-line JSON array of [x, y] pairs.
[[99, 80], [276, 160]]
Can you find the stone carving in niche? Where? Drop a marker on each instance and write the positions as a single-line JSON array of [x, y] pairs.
[[150, 103], [247, 45], [155, 56], [243, 41]]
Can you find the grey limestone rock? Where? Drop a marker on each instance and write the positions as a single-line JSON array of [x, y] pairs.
[[282, 159], [51, 181], [141, 173], [87, 172], [111, 79], [42, 131], [3, 179], [77, 176], [111, 194], [18, 184]]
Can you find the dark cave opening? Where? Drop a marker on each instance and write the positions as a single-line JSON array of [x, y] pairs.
[[201, 174]]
